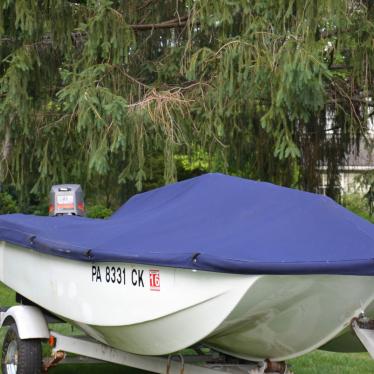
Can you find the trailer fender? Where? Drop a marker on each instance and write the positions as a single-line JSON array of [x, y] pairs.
[[30, 321]]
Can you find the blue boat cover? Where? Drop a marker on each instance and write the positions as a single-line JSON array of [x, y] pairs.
[[213, 222]]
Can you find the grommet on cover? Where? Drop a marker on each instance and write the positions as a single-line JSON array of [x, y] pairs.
[[32, 239], [195, 256]]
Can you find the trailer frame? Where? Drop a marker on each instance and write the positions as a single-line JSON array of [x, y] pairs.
[[33, 322]]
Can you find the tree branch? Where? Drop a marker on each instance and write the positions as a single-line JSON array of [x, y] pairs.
[[172, 23], [340, 67], [145, 5], [354, 99], [78, 36]]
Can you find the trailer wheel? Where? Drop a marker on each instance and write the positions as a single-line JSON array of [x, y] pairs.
[[20, 356]]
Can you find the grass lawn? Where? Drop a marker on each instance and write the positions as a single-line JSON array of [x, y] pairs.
[[318, 362]]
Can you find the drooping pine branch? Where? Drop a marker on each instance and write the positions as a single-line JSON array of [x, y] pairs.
[[79, 38], [93, 91]]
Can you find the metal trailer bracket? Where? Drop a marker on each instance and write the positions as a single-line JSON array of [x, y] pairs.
[[174, 364], [366, 337]]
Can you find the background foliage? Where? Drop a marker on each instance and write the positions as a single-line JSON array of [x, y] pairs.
[[107, 93], [7, 204]]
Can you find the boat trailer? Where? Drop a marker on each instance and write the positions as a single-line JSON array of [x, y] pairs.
[[29, 325], [174, 364]]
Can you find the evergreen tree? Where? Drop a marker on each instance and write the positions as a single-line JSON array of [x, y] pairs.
[[92, 91]]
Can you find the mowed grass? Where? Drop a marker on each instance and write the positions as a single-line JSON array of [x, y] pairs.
[[317, 362], [321, 362]]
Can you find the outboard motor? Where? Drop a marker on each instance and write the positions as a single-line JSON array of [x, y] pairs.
[[66, 199]]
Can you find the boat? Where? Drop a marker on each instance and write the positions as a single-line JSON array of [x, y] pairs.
[[250, 269]]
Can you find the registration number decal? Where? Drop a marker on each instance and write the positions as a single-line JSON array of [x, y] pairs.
[[125, 276], [117, 274]]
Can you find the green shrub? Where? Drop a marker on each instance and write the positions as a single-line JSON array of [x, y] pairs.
[[357, 204], [7, 204], [98, 211]]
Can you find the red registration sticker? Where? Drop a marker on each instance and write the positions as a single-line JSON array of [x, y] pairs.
[[154, 280]]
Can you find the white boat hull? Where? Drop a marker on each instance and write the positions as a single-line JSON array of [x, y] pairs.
[[158, 310]]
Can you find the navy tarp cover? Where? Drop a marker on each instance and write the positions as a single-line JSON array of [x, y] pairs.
[[213, 222]]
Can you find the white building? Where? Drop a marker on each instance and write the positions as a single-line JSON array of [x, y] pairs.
[[356, 163]]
